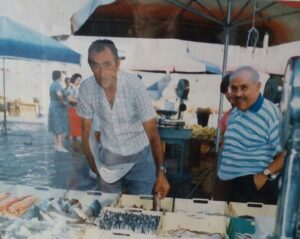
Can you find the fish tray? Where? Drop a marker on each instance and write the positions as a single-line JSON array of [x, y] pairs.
[[198, 205], [252, 209]]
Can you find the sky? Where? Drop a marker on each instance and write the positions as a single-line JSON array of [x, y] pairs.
[[50, 17]]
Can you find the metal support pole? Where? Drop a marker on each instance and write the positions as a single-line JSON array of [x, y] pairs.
[[225, 57], [288, 205], [288, 210], [4, 124]]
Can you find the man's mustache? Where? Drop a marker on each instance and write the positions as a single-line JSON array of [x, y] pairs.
[[239, 98]]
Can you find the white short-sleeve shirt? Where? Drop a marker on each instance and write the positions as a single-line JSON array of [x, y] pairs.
[[121, 126]]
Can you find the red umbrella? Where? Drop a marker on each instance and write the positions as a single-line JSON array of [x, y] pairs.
[[198, 20]]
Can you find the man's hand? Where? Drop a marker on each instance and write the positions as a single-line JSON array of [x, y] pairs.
[[260, 180], [162, 185], [95, 170]]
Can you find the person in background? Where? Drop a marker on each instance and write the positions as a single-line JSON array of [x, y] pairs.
[[67, 83], [224, 89], [57, 117], [74, 119], [129, 136], [251, 157]]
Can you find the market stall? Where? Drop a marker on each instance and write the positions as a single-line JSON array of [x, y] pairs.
[[52, 213]]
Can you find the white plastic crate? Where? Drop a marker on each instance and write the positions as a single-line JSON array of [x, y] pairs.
[[96, 233], [252, 209], [144, 202], [87, 197], [40, 192], [200, 223], [198, 205]]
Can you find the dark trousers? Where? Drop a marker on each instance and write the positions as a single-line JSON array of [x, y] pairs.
[[243, 189]]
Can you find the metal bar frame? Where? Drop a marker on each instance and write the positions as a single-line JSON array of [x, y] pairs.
[[221, 9], [206, 9], [198, 13], [266, 18], [183, 10], [257, 12], [240, 11]]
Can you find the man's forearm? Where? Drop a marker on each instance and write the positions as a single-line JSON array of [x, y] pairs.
[[155, 142], [157, 151], [277, 163], [86, 127], [89, 156]]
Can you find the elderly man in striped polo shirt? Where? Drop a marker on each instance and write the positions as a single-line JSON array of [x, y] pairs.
[[252, 157]]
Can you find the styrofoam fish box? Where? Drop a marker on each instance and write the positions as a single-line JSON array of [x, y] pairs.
[[198, 205], [252, 209], [87, 197], [200, 223], [143, 201]]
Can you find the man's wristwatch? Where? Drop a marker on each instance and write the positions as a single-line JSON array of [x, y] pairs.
[[270, 176], [162, 168]]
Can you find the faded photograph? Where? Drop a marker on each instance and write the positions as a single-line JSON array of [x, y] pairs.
[[149, 119]]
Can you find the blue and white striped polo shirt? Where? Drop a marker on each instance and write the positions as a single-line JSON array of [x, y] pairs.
[[251, 140]]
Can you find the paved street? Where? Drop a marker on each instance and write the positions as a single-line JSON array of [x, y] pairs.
[[27, 157]]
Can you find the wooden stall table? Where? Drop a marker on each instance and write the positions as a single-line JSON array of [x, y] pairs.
[[202, 161], [176, 136]]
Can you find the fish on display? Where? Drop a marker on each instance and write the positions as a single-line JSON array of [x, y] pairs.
[[7, 205], [65, 211], [94, 209], [20, 207], [51, 218], [136, 222]]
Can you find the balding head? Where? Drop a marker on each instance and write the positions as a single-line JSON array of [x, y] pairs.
[[246, 70], [244, 87]]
